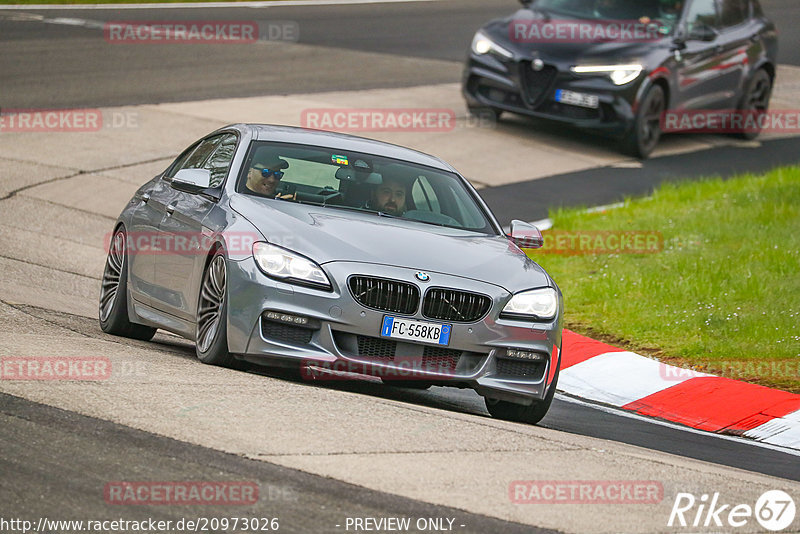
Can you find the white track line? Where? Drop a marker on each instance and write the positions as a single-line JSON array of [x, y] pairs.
[[188, 5], [631, 415]]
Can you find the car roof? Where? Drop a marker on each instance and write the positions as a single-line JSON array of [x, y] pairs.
[[338, 141]]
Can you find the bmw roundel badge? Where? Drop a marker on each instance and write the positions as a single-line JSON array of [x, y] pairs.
[[422, 276]]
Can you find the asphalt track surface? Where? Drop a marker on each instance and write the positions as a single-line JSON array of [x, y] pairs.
[[54, 461], [64, 65]]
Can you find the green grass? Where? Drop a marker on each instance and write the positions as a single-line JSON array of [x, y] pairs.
[[724, 294]]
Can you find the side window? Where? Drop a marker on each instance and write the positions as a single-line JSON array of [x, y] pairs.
[[179, 162], [701, 13], [194, 159], [733, 12], [424, 196], [220, 160]]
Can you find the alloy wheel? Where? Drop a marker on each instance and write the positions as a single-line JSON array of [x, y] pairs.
[[211, 299], [112, 275]]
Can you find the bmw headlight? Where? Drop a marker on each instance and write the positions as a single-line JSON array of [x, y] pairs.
[[286, 265], [619, 74], [481, 44], [539, 304]]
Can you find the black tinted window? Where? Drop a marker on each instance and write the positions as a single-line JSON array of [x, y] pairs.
[[733, 12], [702, 13]]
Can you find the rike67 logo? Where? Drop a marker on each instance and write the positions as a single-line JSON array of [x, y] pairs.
[[774, 511]]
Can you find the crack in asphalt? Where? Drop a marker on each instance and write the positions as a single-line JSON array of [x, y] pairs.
[[78, 173], [28, 262]]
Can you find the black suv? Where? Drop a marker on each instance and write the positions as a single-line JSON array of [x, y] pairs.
[[616, 66]]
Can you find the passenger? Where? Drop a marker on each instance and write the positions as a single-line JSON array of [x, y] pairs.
[[263, 177], [390, 197]]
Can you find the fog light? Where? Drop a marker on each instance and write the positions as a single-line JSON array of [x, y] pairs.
[[286, 318], [525, 355]]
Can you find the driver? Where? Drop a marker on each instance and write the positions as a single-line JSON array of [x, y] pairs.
[[263, 177], [390, 197]]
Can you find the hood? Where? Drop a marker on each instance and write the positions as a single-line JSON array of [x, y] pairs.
[[570, 52], [327, 235]]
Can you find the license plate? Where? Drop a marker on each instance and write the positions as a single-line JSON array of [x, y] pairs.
[[399, 328], [577, 99]]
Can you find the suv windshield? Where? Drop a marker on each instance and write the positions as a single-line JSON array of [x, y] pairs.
[[666, 13], [339, 179]]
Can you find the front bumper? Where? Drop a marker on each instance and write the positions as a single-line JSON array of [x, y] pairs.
[[342, 335], [513, 85]]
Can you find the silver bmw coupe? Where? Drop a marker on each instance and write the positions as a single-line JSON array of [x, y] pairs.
[[337, 256]]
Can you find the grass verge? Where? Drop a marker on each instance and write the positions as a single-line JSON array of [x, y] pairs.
[[723, 294]]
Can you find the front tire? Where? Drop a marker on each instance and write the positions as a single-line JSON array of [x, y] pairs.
[[211, 339], [113, 308], [646, 130], [531, 415], [485, 113]]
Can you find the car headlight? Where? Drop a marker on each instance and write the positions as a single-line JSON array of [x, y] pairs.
[[481, 44], [619, 74], [541, 304], [286, 265]]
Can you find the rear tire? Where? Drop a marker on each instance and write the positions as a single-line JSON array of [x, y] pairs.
[[646, 130], [113, 308], [531, 414], [211, 339], [756, 100]]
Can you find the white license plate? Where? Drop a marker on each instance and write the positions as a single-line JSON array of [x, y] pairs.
[[399, 328], [577, 99]]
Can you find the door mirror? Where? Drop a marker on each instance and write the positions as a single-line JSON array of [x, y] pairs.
[[525, 235], [702, 32], [191, 180]]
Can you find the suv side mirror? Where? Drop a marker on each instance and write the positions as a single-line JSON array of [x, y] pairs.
[[702, 32], [525, 235], [191, 180]]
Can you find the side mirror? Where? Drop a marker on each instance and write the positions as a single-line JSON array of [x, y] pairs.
[[191, 180], [525, 235], [702, 32]]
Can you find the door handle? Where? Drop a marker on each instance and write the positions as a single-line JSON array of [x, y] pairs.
[[171, 209], [145, 197]]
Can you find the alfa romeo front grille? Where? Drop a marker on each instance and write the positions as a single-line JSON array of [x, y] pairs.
[[454, 305], [536, 85], [385, 295]]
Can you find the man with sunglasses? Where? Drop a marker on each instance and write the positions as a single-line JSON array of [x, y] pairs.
[[263, 177]]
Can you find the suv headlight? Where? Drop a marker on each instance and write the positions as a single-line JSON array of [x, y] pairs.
[[283, 264], [619, 74], [481, 44], [539, 304]]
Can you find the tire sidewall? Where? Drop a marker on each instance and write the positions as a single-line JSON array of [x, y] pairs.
[[217, 353]]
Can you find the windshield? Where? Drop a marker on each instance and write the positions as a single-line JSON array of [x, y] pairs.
[[343, 180], [665, 12]]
